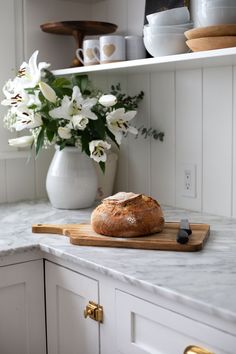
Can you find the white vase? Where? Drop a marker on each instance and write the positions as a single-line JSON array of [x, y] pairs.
[[71, 180], [106, 180]]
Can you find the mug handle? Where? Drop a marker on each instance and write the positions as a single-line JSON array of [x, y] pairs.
[[96, 52], [78, 53]]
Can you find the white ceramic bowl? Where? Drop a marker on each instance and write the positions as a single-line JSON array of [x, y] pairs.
[[165, 44], [169, 17], [218, 3], [152, 30], [216, 16]]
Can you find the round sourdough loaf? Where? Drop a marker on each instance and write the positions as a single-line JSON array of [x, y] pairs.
[[127, 215]]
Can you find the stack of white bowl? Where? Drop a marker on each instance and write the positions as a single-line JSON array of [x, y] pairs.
[[164, 33], [216, 12]]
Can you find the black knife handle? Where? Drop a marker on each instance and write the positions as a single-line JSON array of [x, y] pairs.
[[182, 237], [184, 232]]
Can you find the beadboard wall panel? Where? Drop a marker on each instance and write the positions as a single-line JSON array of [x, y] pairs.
[[117, 13], [121, 183], [217, 140], [20, 179], [135, 11], [162, 107], [233, 194], [55, 49], [3, 195], [188, 135], [8, 60], [139, 148]]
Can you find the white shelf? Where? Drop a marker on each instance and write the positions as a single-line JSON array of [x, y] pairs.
[[220, 57]]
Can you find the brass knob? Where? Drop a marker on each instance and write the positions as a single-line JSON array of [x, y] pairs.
[[87, 312], [94, 311], [193, 349]]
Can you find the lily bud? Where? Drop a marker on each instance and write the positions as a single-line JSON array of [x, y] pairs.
[[23, 141], [48, 92], [107, 100]]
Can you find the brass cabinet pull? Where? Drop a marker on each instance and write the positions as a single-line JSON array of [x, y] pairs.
[[94, 311], [193, 349]]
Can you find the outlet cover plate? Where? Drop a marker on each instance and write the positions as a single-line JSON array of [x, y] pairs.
[[189, 180]]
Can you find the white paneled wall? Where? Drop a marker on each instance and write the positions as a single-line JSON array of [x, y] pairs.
[[162, 107], [21, 178], [195, 109], [188, 134]]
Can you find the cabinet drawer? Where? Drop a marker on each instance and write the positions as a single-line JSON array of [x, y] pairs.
[[143, 327]]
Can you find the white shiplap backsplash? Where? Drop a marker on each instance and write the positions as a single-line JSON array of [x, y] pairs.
[[195, 108]]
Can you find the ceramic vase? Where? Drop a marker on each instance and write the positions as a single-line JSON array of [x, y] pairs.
[[71, 180]]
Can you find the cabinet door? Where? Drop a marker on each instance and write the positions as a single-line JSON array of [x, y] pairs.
[[145, 328], [67, 294], [22, 316]]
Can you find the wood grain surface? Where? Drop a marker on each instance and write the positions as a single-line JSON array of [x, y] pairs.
[[83, 235], [210, 43], [211, 31]]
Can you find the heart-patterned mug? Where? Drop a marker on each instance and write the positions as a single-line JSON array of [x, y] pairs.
[[86, 55], [111, 48]]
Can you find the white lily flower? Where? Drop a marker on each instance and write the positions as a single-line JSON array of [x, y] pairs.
[[23, 141], [76, 106], [118, 123], [48, 92], [64, 132], [79, 122], [30, 73], [97, 150], [27, 118], [107, 100], [16, 96]]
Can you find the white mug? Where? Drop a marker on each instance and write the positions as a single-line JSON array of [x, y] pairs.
[[111, 48], [86, 55], [135, 48]]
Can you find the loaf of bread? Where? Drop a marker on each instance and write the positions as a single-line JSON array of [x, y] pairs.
[[127, 215]]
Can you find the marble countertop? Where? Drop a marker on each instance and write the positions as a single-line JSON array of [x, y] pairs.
[[205, 277]]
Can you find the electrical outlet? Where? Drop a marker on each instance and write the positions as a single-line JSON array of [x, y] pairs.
[[189, 180]]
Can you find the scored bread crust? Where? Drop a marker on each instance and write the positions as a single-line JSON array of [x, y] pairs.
[[128, 215]]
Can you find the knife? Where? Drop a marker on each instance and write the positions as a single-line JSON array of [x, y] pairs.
[[184, 232]]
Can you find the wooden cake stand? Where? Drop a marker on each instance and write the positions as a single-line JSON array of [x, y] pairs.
[[78, 29]]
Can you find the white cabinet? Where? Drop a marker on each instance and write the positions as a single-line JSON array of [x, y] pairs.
[[145, 328], [22, 319], [135, 322], [67, 294]]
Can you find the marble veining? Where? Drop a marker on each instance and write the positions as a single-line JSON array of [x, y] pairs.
[[206, 278]]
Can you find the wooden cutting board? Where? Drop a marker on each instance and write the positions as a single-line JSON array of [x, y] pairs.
[[83, 235]]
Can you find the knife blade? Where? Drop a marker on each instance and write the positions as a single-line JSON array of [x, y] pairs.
[[184, 232]]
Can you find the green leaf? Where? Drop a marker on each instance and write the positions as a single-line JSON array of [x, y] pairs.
[[50, 134], [81, 81], [112, 136], [102, 166], [40, 141], [60, 82], [98, 128], [63, 91]]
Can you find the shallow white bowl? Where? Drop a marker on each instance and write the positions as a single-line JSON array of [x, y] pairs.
[[216, 16], [165, 44], [152, 30], [218, 3], [169, 17]]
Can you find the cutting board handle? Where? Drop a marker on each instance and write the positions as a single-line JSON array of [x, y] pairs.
[[49, 229]]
